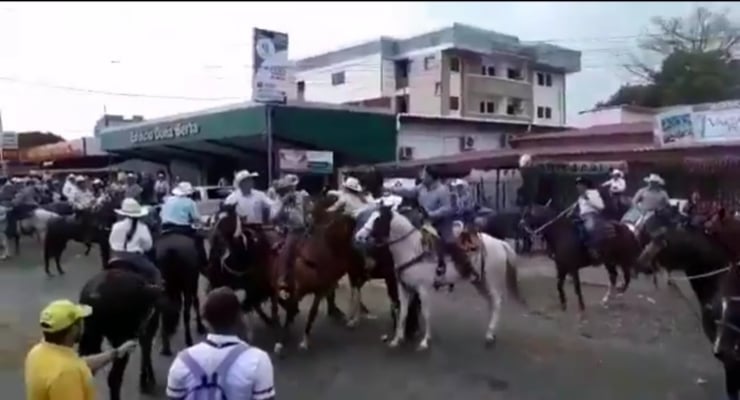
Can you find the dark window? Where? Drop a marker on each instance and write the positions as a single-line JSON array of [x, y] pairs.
[[337, 78], [490, 107], [454, 103], [402, 104], [548, 112], [548, 80], [428, 62], [402, 68], [482, 69], [540, 112], [491, 71], [513, 73], [482, 107], [540, 79], [301, 86], [513, 107], [454, 64]]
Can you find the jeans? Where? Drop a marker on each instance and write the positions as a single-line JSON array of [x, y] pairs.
[[142, 265]]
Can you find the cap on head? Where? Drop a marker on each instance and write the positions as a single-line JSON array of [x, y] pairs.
[[61, 314]]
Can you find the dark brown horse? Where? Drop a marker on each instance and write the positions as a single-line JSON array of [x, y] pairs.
[[713, 276], [617, 247]]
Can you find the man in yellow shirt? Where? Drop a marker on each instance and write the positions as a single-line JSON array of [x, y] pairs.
[[54, 371]]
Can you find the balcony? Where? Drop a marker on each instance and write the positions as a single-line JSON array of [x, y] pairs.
[[497, 86]]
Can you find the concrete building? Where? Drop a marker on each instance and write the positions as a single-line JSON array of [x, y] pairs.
[[623, 114], [458, 71], [110, 120]]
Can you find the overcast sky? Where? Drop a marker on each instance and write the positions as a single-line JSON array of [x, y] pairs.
[[203, 50]]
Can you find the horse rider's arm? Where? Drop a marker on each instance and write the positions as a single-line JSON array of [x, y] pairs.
[[194, 214], [607, 183], [410, 193], [594, 198], [638, 197], [145, 240], [444, 205], [232, 198], [619, 185], [341, 200]]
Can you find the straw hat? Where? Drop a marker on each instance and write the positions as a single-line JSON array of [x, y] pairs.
[[655, 178], [183, 189], [242, 175], [459, 182], [132, 208], [352, 184], [617, 172]]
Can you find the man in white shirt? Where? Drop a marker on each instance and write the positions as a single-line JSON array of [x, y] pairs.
[[222, 366], [351, 199], [590, 205], [250, 203], [69, 187], [82, 198], [130, 239]]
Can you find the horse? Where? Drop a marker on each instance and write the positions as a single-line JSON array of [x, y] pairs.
[[124, 307], [34, 223], [415, 269], [619, 246], [82, 228], [713, 277], [178, 259]]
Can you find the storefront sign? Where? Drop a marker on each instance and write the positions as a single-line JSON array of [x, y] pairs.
[[699, 123], [306, 161], [176, 131], [580, 168], [270, 72]]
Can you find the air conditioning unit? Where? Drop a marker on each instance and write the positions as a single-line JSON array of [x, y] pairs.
[[405, 153], [467, 143]]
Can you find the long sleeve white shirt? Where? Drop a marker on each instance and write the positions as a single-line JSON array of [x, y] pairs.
[[352, 203], [590, 202], [68, 190], [251, 206], [616, 185], [140, 242]]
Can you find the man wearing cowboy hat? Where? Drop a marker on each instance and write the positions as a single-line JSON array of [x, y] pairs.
[[650, 198], [351, 198], [463, 201], [82, 198], [249, 203], [132, 189], [434, 198], [289, 212], [590, 206], [617, 187], [179, 213], [130, 239]]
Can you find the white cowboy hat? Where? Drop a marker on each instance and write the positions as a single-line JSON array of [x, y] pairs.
[[353, 184], [655, 178], [459, 182], [80, 178], [292, 179], [131, 208], [617, 172], [97, 181], [283, 183], [183, 189], [242, 175]]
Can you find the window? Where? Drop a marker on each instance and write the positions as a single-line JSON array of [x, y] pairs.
[[487, 107], [544, 112], [513, 73], [437, 88], [402, 104], [514, 106], [488, 70], [454, 103], [540, 79], [428, 62], [454, 64], [301, 89], [402, 68], [548, 80], [337, 78]]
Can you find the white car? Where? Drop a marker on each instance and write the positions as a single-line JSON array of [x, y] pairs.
[[208, 199]]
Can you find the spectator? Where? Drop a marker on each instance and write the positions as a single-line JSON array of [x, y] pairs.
[[223, 366]]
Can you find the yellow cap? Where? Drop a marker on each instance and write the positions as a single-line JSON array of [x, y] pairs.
[[61, 314]]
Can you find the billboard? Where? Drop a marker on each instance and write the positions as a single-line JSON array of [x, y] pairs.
[[270, 66], [714, 122], [306, 161]]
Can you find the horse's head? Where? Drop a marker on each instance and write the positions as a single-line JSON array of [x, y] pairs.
[[376, 228], [536, 216], [727, 340], [653, 234]]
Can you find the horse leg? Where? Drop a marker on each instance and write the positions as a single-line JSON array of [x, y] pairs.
[[403, 309], [47, 256], [561, 282], [627, 275], [291, 311], [187, 305], [201, 329], [147, 381], [577, 288], [493, 300], [426, 310], [331, 306], [612, 270], [115, 376], [311, 318]]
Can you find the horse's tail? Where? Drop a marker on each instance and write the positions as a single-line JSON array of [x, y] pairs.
[[512, 275], [170, 309]]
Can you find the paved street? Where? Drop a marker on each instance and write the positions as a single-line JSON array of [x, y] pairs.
[[647, 345]]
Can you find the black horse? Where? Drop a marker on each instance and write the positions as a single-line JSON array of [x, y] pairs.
[[177, 258], [83, 227], [125, 307], [713, 278]]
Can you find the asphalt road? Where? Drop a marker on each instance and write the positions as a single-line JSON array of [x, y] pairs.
[[647, 345]]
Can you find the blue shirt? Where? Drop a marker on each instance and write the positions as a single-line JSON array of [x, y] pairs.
[[436, 200], [179, 210]]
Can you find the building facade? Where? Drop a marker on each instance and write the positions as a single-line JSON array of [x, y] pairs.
[[458, 71]]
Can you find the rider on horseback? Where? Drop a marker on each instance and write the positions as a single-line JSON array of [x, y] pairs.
[[179, 213], [289, 212], [69, 187], [590, 205], [650, 198], [249, 203], [617, 187], [130, 240], [463, 202], [434, 198], [351, 198]]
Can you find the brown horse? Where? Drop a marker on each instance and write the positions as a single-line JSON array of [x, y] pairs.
[[618, 247], [321, 259]]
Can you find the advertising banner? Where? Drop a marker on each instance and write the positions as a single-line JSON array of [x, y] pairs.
[[270, 71]]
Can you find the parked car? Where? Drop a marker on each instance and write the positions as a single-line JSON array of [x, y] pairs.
[[209, 198]]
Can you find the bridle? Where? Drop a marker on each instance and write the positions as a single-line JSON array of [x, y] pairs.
[[541, 228]]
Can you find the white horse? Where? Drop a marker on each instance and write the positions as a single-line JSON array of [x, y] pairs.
[[36, 223], [494, 262]]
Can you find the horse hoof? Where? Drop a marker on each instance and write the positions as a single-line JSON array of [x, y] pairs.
[[394, 343], [490, 341], [278, 348], [352, 323], [423, 346], [304, 344], [369, 317], [385, 338], [166, 352]]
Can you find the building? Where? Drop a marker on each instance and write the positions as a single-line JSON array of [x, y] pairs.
[[109, 120], [458, 71], [621, 114]]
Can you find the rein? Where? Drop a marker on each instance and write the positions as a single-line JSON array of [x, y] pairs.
[[700, 276], [550, 222]]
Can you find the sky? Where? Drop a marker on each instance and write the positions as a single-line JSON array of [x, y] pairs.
[[63, 64]]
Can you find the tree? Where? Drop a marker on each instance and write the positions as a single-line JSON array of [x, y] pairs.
[[696, 62]]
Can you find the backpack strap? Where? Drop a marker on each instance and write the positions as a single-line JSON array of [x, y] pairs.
[[211, 384], [229, 360]]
